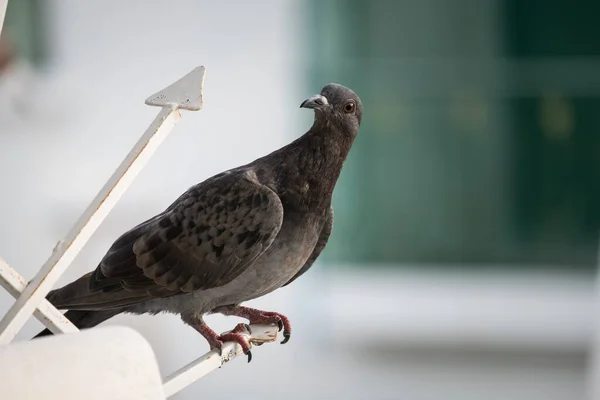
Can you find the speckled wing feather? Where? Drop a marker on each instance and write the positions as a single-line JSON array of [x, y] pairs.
[[205, 239]]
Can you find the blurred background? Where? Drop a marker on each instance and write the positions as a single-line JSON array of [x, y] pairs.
[[463, 259]]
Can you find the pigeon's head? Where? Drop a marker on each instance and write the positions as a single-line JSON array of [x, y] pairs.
[[338, 106]]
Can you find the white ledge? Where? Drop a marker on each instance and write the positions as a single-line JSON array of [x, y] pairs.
[[114, 363]]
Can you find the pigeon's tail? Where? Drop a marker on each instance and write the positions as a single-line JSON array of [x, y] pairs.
[[75, 297], [84, 319]]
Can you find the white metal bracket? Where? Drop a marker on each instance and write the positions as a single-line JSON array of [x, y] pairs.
[[3, 6], [183, 94], [46, 313]]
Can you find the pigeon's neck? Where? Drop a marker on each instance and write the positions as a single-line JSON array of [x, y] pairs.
[[308, 168]]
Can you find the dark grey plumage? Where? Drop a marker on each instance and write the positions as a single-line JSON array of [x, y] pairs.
[[236, 236]]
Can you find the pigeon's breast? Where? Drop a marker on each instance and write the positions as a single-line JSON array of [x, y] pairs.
[[274, 268]]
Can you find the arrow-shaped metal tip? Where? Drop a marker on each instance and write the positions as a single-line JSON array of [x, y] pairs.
[[184, 94]]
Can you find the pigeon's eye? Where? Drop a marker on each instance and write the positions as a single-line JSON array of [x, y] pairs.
[[349, 107]]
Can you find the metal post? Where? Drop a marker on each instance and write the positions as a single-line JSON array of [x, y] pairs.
[[3, 6]]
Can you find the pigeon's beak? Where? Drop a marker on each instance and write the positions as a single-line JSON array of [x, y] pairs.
[[316, 101]]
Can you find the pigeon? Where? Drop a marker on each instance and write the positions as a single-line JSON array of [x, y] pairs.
[[234, 237]]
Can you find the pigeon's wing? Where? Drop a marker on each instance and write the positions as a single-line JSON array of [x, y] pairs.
[[321, 243], [207, 238]]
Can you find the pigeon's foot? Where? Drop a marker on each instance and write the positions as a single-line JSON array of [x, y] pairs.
[[215, 341], [260, 317], [240, 339]]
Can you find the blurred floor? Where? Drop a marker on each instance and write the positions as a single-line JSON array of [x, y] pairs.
[[415, 376]]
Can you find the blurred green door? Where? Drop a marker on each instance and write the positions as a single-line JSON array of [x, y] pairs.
[[478, 144]]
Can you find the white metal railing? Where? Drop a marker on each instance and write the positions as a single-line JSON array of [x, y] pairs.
[[185, 94], [3, 5]]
